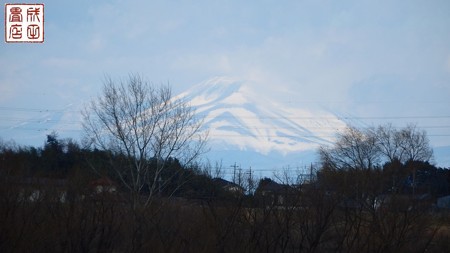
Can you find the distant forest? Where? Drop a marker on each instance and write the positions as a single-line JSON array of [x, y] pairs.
[[62, 197], [66, 159]]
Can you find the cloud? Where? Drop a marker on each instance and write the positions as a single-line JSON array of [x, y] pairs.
[[11, 79], [96, 43], [59, 62], [307, 53], [448, 64], [6, 90]]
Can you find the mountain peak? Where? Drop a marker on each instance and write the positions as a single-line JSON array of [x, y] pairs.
[[238, 118], [213, 91]]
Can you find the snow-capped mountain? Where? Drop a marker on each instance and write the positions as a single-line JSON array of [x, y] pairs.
[[241, 120]]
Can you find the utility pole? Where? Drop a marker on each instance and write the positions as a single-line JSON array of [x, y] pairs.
[[250, 181], [234, 171]]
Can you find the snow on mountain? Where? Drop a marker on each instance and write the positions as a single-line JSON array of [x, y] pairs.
[[238, 118]]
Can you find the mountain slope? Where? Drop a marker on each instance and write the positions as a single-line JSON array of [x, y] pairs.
[[238, 118]]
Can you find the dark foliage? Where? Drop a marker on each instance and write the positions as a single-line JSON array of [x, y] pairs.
[[49, 203]]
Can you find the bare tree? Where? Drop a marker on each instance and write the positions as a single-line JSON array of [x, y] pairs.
[[388, 142], [406, 144], [213, 171], [140, 125], [354, 149], [414, 144], [369, 148]]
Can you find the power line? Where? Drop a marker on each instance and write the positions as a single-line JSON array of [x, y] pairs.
[[307, 126], [315, 126], [43, 110], [39, 110], [211, 135]]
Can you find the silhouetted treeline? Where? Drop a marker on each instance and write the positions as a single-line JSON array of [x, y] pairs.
[[63, 198], [413, 177], [66, 159]]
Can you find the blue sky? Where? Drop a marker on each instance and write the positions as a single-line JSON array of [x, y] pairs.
[[370, 61]]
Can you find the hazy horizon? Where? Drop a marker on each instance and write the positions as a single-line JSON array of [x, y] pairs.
[[372, 62]]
